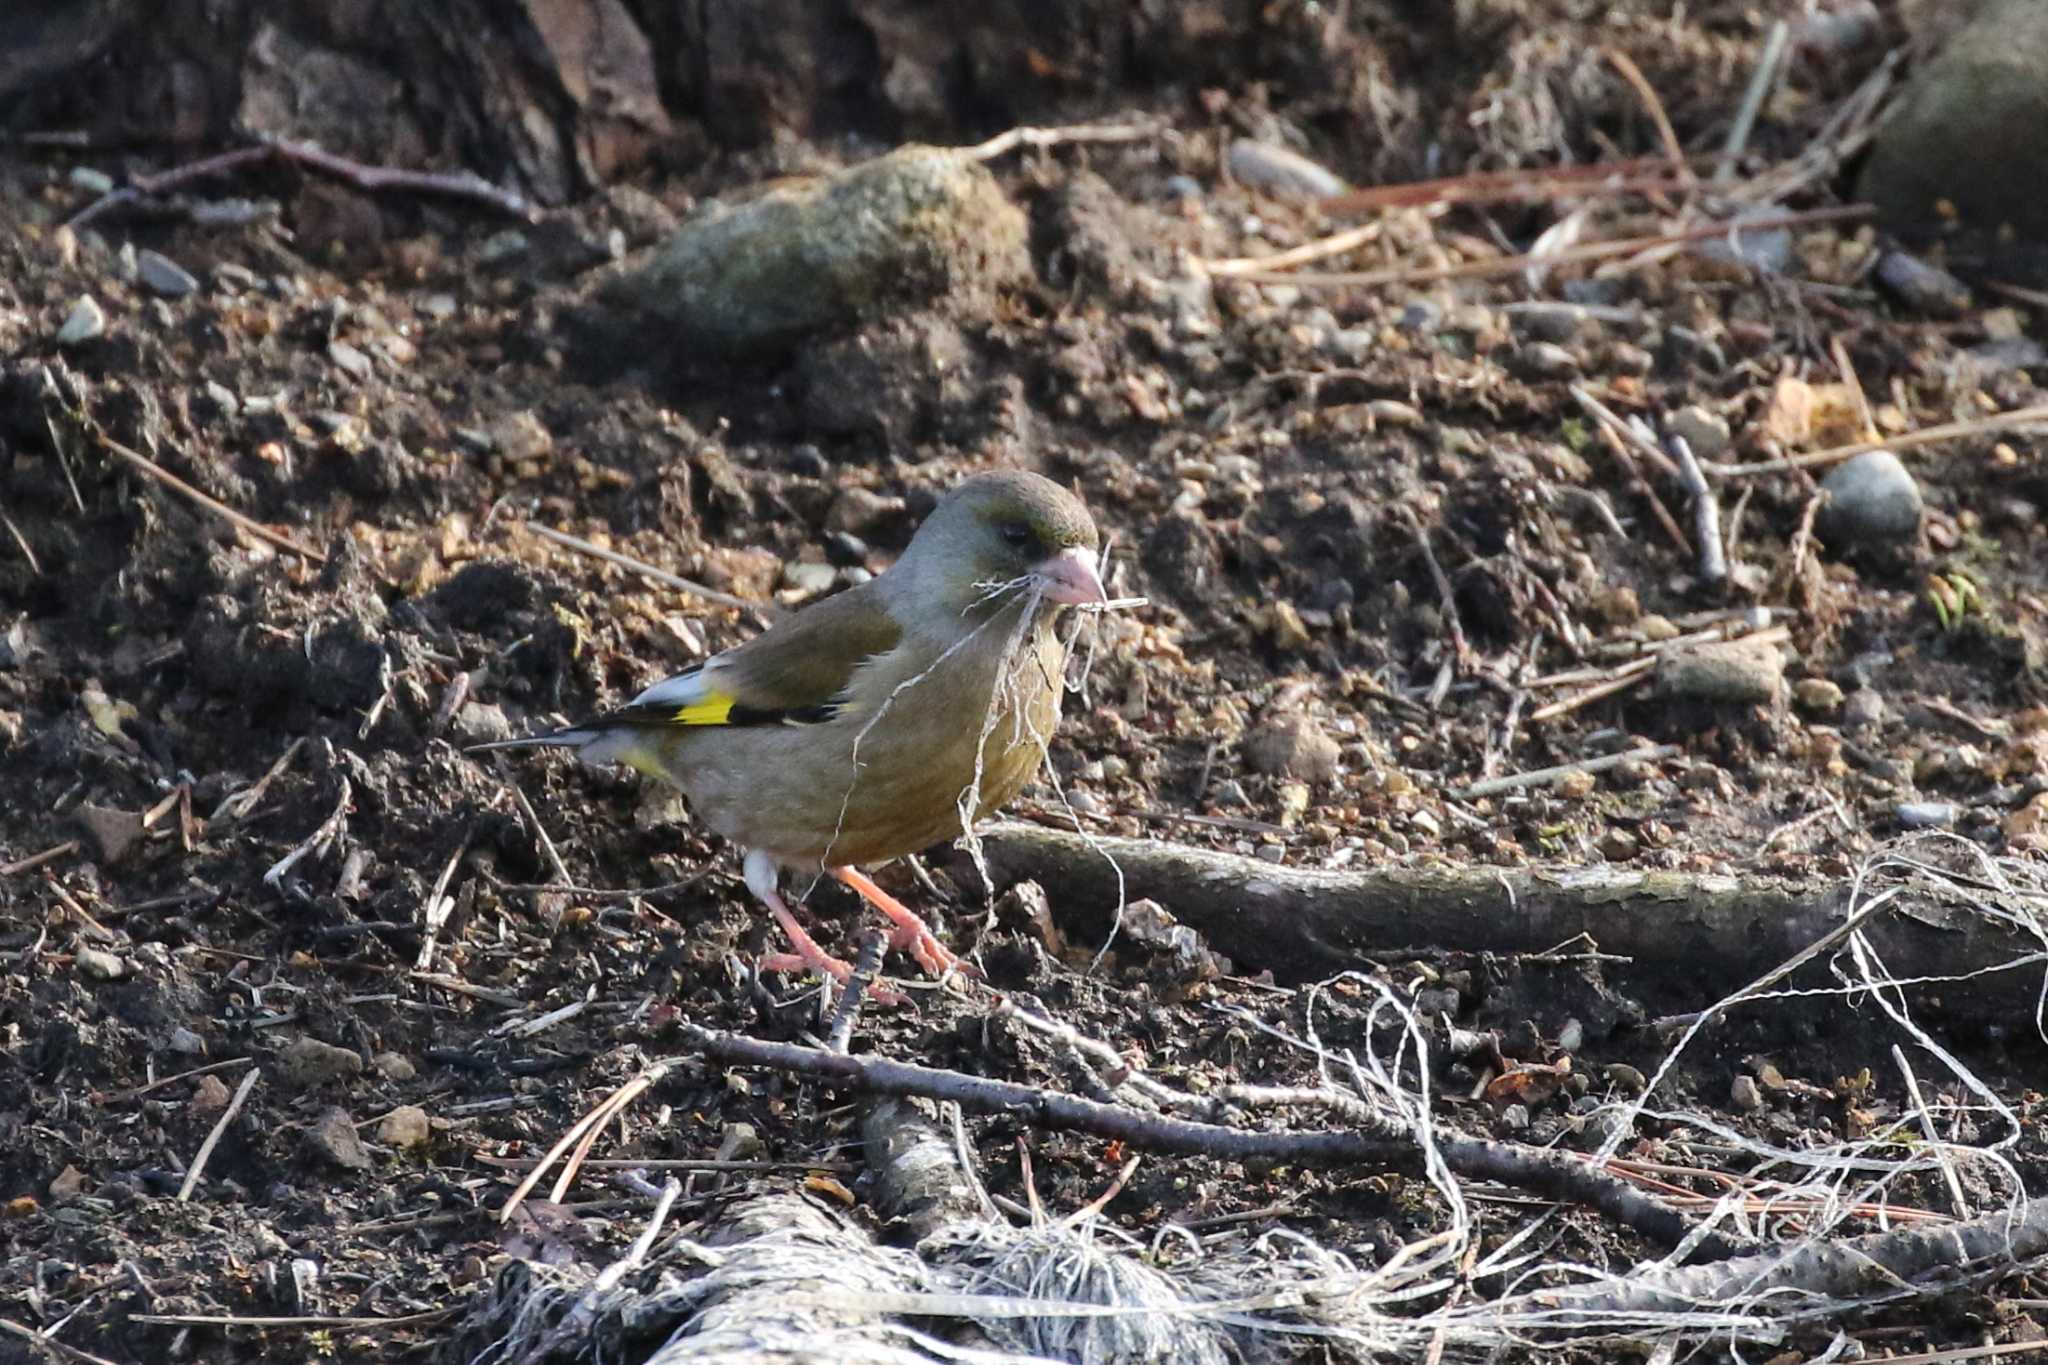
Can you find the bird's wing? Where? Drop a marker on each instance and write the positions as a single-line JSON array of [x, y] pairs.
[[795, 674]]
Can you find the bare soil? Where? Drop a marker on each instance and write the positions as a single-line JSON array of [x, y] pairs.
[[397, 392]]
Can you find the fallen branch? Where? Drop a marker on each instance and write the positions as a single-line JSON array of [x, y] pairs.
[[1697, 935], [1947, 431], [1381, 1144]]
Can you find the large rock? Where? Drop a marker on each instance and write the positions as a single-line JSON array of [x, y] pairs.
[[1972, 129], [916, 227]]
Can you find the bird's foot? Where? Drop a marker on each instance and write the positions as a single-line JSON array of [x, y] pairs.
[[807, 956], [911, 934]]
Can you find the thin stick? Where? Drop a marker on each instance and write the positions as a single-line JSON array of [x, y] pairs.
[[248, 525], [1706, 512], [36, 860], [647, 571], [311, 1321], [227, 1116], [1577, 255], [137, 1092], [434, 914], [334, 827], [35, 1338], [21, 543], [840, 1036], [1633, 74], [1056, 137], [540, 833], [1760, 83], [1947, 431], [1538, 776], [1934, 1142], [1642, 173], [1334, 245]]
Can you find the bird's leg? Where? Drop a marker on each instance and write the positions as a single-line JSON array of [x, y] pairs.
[[763, 877], [911, 932]]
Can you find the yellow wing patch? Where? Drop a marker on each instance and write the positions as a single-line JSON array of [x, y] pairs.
[[714, 709]]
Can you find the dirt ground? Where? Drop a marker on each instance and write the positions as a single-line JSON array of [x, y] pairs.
[[387, 382]]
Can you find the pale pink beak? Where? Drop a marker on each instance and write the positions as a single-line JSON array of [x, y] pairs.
[[1070, 578]]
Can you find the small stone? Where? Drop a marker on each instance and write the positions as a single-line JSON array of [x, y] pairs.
[[1871, 502], [1572, 1036], [1177, 956], [1704, 431], [482, 722], [66, 1185], [97, 964], [333, 1136], [807, 579], [740, 1142], [307, 1062], [1746, 1095], [406, 1126], [1025, 905], [1618, 845], [394, 1066], [1921, 286], [1657, 629], [1625, 1078], [1863, 709], [1723, 672], [1292, 746], [91, 180], [349, 360], [1817, 696], [1545, 360], [230, 278], [501, 247], [520, 436], [113, 832], [186, 1043], [1515, 1117], [1270, 853], [163, 276], [845, 550], [1280, 172], [85, 322], [1574, 785], [1925, 814]]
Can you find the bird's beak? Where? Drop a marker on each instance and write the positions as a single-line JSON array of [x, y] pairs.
[[1070, 578]]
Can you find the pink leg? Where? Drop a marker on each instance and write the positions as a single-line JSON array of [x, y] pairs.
[[805, 954], [911, 932]]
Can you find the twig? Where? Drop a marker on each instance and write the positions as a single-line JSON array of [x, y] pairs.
[[1619, 437], [36, 860], [137, 1092], [1528, 185], [1383, 1145], [1057, 137], [1537, 777], [636, 1163], [314, 1322], [1446, 596], [248, 525], [1934, 1142], [434, 914], [1633, 74], [648, 571], [1760, 83], [1322, 248], [1947, 431], [1550, 260], [227, 1116], [237, 805], [334, 827], [1706, 512], [580, 1135], [458, 184], [540, 833], [21, 543], [51, 1344], [840, 1036]]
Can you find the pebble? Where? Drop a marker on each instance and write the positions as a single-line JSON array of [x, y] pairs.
[[1515, 1117], [1745, 1094], [521, 436], [1926, 814], [845, 550], [349, 360], [307, 1062], [1279, 171], [1572, 1036], [98, 964], [1705, 432], [501, 247], [808, 579], [231, 278], [1921, 286], [163, 276], [394, 1066], [91, 180], [186, 1043], [85, 322], [1292, 746], [406, 1126], [1733, 672], [1863, 709], [1817, 696], [1545, 360], [1270, 853], [859, 510], [1618, 846], [1625, 1078], [483, 722], [1421, 317], [333, 1135], [1872, 502]]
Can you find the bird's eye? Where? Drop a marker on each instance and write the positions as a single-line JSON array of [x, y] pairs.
[[1016, 533]]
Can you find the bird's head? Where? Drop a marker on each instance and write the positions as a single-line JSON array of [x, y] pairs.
[[1009, 527]]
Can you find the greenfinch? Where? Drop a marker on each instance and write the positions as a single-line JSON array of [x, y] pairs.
[[881, 720]]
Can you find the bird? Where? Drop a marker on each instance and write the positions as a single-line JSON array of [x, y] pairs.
[[881, 720]]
